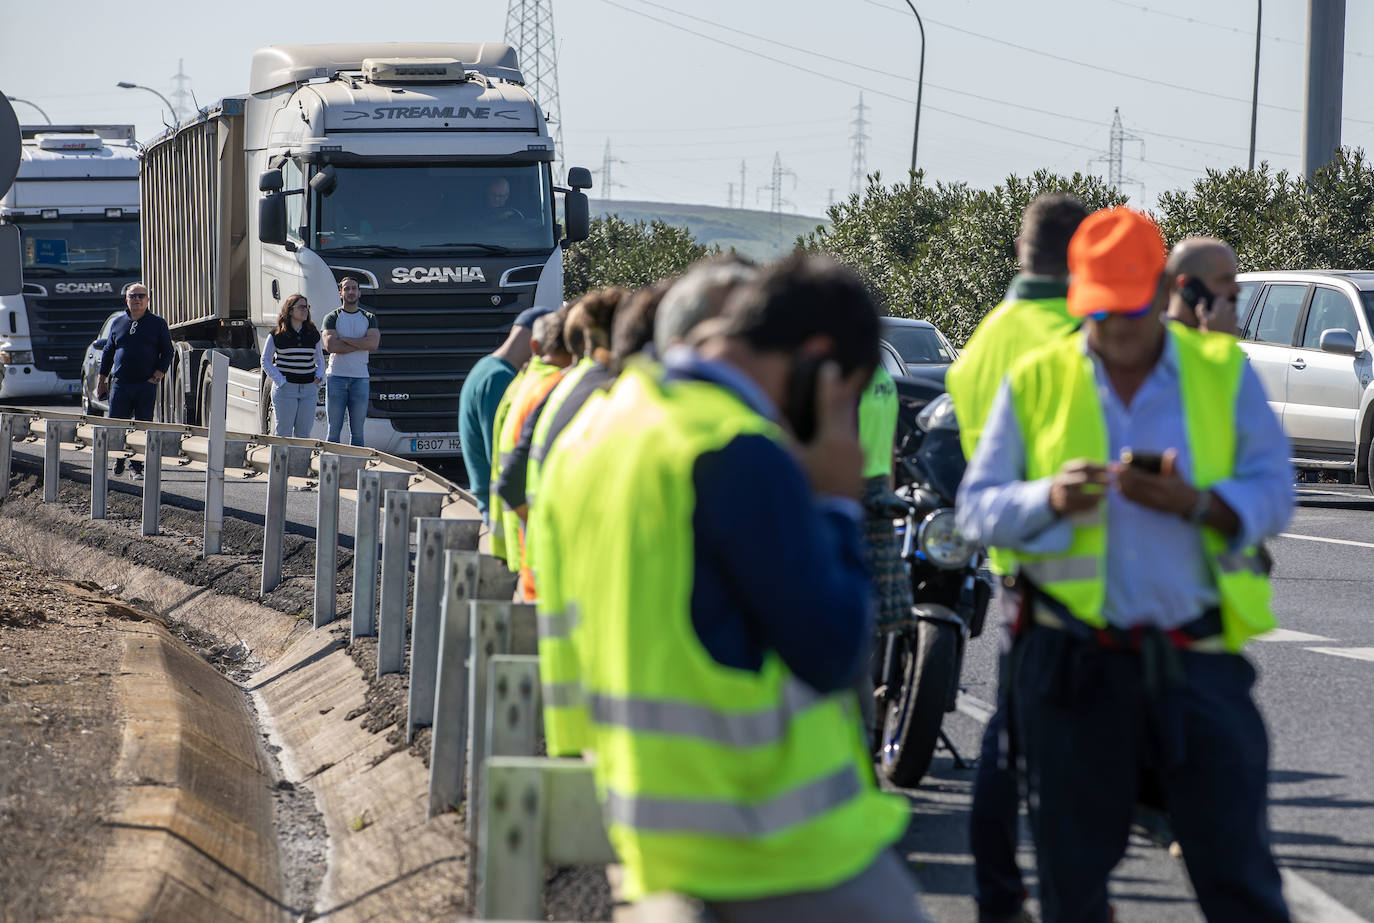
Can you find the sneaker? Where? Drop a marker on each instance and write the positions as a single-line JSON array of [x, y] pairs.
[[1020, 915], [137, 468], [119, 466]]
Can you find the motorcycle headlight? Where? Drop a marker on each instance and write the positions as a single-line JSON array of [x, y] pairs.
[[938, 414], [940, 541]]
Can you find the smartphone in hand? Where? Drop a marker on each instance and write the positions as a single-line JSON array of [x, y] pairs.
[[1151, 462], [801, 397]]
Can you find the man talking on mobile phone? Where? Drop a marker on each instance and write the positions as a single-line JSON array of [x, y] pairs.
[[1202, 285], [1142, 588], [706, 536]]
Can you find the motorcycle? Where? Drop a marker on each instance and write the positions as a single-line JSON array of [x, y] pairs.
[[920, 658]]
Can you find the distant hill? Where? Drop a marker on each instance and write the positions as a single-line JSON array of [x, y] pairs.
[[758, 235]]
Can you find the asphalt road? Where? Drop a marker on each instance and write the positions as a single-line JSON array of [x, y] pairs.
[[1315, 676], [1316, 679]]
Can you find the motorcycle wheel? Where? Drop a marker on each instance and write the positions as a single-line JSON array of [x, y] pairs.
[[911, 724]]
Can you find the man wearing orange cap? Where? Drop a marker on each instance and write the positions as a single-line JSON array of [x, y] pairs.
[[1142, 580]]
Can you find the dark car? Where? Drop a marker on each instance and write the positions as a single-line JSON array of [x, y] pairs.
[[90, 370], [922, 347]]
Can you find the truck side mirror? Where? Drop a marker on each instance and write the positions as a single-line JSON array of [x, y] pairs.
[[325, 180], [270, 181], [577, 211], [579, 177], [11, 261], [272, 219]]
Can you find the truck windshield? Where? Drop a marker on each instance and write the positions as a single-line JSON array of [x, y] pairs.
[[79, 246], [436, 209]]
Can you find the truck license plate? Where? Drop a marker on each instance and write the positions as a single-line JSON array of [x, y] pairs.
[[447, 444]]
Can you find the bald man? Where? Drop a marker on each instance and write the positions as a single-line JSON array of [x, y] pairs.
[[1202, 284]]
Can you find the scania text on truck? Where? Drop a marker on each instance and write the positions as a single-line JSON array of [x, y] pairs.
[[75, 205], [423, 170]]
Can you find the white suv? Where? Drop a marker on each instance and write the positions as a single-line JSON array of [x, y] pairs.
[[1310, 339]]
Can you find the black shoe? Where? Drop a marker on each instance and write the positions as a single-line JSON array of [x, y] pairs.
[[119, 466], [136, 467]]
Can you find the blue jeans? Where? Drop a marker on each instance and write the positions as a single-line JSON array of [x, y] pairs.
[[345, 395], [295, 407], [132, 399]]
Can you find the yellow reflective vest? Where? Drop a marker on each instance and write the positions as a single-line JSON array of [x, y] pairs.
[[1057, 407]]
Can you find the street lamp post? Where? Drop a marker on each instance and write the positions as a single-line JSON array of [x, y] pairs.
[[920, 84], [1254, 92], [126, 85], [16, 99]]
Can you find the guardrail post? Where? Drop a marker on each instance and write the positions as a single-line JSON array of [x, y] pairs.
[[402, 506], [371, 485], [509, 880], [152, 481], [274, 525], [490, 636], [6, 452], [52, 461], [100, 470], [327, 542], [512, 704], [434, 536], [213, 537], [448, 743]]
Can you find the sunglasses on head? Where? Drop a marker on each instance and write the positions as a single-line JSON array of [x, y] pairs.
[[1138, 312]]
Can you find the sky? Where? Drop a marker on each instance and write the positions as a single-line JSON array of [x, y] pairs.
[[683, 98]]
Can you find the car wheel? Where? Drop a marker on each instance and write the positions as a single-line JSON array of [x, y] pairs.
[[1369, 469]]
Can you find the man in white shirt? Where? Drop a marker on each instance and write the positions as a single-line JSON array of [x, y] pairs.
[[350, 332]]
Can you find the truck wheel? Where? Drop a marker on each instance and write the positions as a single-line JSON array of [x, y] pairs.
[[267, 414], [1369, 472]]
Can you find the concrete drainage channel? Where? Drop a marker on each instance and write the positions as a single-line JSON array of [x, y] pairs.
[[345, 814]]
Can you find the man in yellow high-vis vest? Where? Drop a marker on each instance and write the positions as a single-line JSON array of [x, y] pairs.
[[1134, 468], [1034, 312], [710, 566]]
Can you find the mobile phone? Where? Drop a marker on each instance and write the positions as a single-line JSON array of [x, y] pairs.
[[1153, 462], [1197, 295], [801, 397]]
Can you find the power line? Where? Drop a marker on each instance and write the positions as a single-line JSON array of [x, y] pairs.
[[607, 183], [529, 28], [1194, 21], [1116, 154], [183, 102]]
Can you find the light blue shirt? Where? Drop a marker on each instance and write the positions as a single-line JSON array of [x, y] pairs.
[[1156, 570]]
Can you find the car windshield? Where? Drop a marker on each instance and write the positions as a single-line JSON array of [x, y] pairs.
[[76, 247], [918, 345], [436, 209], [1368, 299]]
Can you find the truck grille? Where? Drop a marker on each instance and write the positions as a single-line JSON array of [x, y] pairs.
[[429, 344], [62, 328]]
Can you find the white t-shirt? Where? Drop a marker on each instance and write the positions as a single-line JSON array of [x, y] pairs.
[[354, 325]]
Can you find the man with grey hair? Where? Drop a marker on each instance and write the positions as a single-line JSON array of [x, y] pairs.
[[1201, 274], [697, 296]]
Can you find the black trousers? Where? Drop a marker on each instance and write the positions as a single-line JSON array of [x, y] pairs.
[[1087, 719]]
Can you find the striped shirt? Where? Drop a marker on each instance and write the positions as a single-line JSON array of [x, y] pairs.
[[294, 356]]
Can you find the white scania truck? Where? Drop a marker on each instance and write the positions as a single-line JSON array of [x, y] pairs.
[[75, 205], [423, 170]]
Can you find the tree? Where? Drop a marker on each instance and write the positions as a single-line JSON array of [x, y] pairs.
[[944, 253], [618, 252]]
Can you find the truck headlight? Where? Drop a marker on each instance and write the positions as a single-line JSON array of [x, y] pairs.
[[16, 357], [939, 540]]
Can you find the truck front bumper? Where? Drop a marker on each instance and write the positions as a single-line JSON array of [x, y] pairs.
[[28, 381]]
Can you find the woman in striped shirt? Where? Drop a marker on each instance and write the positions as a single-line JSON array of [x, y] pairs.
[[293, 360]]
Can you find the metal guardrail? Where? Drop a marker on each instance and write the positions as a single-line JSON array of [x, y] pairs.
[[474, 672]]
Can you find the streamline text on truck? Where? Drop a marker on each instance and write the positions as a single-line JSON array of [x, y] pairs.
[[423, 170], [75, 205]]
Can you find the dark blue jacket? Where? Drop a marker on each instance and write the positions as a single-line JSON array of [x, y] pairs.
[[137, 349], [775, 567]]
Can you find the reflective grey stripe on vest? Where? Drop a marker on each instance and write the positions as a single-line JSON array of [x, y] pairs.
[[561, 695], [1232, 562], [727, 818], [1056, 570], [557, 626], [498, 528], [730, 728]]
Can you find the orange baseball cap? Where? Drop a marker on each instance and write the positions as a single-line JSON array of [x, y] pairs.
[[1115, 260]]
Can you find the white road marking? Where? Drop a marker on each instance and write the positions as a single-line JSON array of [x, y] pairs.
[[974, 707], [1285, 634], [1310, 904], [1354, 653], [1329, 541]]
